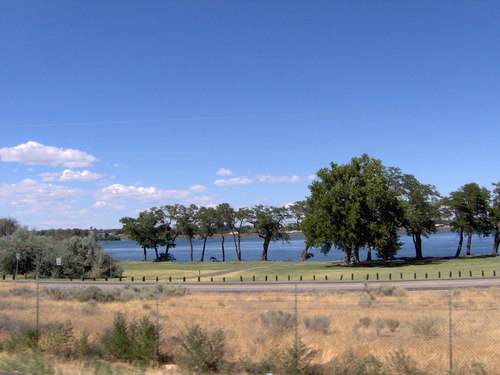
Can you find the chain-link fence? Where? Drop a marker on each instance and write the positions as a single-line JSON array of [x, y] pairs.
[[433, 331]]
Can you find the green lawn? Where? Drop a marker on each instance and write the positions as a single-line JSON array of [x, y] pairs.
[[234, 271]]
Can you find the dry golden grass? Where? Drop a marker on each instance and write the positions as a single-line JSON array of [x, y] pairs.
[[475, 316]]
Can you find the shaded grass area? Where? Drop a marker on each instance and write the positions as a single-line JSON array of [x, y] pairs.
[[235, 271]]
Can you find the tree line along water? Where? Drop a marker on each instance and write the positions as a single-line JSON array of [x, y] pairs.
[[440, 244]]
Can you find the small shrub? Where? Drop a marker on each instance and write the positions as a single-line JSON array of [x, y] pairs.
[[296, 360], [400, 363], [93, 293], [350, 364], [391, 290], [366, 300], [392, 324], [427, 326], [203, 350], [319, 323], [24, 339], [365, 322], [23, 292], [379, 325], [84, 348], [57, 338], [277, 319]]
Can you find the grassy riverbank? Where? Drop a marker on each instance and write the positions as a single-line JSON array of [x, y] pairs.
[[235, 271]]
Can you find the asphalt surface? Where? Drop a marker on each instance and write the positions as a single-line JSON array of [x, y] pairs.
[[427, 284]]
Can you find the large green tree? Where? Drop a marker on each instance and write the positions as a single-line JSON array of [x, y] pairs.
[[148, 230], [354, 206], [269, 224], [470, 209], [421, 209]]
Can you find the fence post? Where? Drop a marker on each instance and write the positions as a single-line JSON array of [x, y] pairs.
[[450, 330]]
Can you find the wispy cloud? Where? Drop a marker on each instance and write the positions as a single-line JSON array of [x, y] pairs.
[[119, 192], [70, 175], [34, 153], [261, 179], [197, 189], [234, 181], [35, 194], [108, 205], [224, 172]]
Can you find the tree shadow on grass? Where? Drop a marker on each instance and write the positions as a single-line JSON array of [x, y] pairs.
[[402, 262]]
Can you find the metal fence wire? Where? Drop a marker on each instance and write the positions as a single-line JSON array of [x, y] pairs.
[[439, 331]]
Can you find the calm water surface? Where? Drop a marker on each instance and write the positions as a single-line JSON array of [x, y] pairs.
[[442, 244]]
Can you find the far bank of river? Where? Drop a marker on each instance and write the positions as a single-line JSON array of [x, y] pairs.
[[441, 244]]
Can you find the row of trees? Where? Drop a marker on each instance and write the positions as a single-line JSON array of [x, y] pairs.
[[362, 204], [160, 226]]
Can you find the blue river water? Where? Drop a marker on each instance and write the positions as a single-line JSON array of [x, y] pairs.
[[441, 244]]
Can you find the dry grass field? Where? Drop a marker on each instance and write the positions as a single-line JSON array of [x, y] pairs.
[[378, 321]]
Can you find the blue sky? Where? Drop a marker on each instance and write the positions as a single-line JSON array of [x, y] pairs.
[[110, 107]]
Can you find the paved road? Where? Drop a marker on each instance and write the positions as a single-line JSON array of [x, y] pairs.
[[429, 284]]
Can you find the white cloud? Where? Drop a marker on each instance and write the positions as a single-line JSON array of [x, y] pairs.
[[205, 201], [108, 205], [32, 193], [267, 178], [224, 172], [34, 153], [234, 181], [197, 188], [70, 175], [139, 194]]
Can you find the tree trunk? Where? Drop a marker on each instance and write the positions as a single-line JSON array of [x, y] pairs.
[[417, 241], [356, 255], [305, 253], [460, 242], [202, 259], [156, 253], [494, 250], [369, 253], [145, 254], [238, 257], [469, 242], [264, 248], [191, 248], [223, 250]]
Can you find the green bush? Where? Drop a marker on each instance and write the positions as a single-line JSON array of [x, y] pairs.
[[391, 290], [295, 360], [427, 326], [134, 342], [350, 364], [319, 323], [203, 350], [366, 300], [93, 293], [26, 338], [277, 319], [400, 363], [392, 324], [57, 338]]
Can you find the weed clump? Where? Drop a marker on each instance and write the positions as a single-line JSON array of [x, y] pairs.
[[427, 326]]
